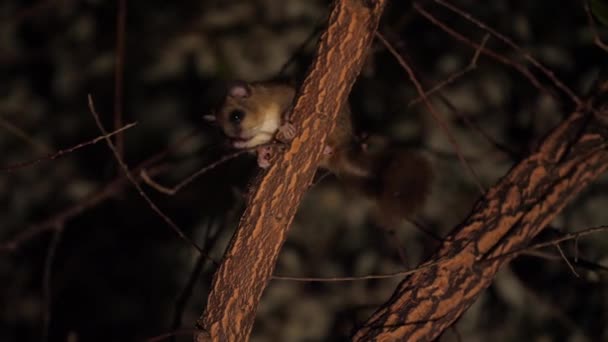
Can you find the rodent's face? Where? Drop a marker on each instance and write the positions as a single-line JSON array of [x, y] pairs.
[[249, 119]]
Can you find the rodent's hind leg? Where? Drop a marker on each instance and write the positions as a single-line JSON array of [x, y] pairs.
[[328, 150]]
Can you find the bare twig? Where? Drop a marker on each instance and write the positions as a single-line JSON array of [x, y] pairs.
[[94, 199], [593, 27], [565, 258], [298, 51], [471, 66], [171, 334], [323, 174], [565, 237], [21, 134], [444, 126], [392, 238], [172, 191], [580, 263], [186, 293], [424, 229], [121, 23], [551, 309], [61, 153], [141, 192], [47, 293], [576, 249], [548, 73], [367, 277], [475, 127], [490, 53], [60, 218], [453, 77], [41, 6], [456, 333]]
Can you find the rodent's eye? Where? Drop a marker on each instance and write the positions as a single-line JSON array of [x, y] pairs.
[[236, 116]]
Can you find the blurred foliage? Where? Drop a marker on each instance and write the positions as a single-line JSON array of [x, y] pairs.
[[118, 269]]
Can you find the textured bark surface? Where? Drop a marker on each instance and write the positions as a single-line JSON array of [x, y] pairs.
[[250, 259], [513, 212]]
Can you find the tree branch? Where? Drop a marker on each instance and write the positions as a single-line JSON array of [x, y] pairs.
[[250, 259], [506, 219]]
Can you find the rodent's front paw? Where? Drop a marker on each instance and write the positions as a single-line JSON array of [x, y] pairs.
[[264, 156], [286, 133]]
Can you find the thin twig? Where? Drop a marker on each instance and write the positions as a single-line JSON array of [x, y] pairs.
[[367, 277], [453, 77], [391, 237], [471, 66], [593, 27], [186, 293], [563, 255], [92, 200], [576, 249], [490, 53], [47, 293], [172, 333], [424, 229], [565, 237], [548, 73], [550, 308], [301, 48], [456, 333], [580, 263], [444, 126], [475, 127], [141, 192], [63, 216], [182, 300], [61, 153], [121, 23], [21, 134], [172, 191], [42, 6]]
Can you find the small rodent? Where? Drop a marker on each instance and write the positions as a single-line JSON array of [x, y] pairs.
[[398, 180]]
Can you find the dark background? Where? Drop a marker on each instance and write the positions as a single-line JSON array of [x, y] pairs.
[[117, 270]]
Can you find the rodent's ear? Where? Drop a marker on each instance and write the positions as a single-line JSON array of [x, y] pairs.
[[239, 89]]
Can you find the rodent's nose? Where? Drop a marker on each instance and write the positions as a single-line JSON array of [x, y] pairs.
[[236, 116]]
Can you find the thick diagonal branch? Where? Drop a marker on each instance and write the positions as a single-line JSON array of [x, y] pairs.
[[250, 259], [513, 212]]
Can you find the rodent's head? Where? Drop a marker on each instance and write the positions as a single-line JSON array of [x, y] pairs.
[[250, 114]]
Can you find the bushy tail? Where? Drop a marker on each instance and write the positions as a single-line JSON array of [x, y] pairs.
[[405, 181], [398, 180]]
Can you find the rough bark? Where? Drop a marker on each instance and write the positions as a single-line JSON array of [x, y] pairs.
[[250, 258], [512, 213]]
